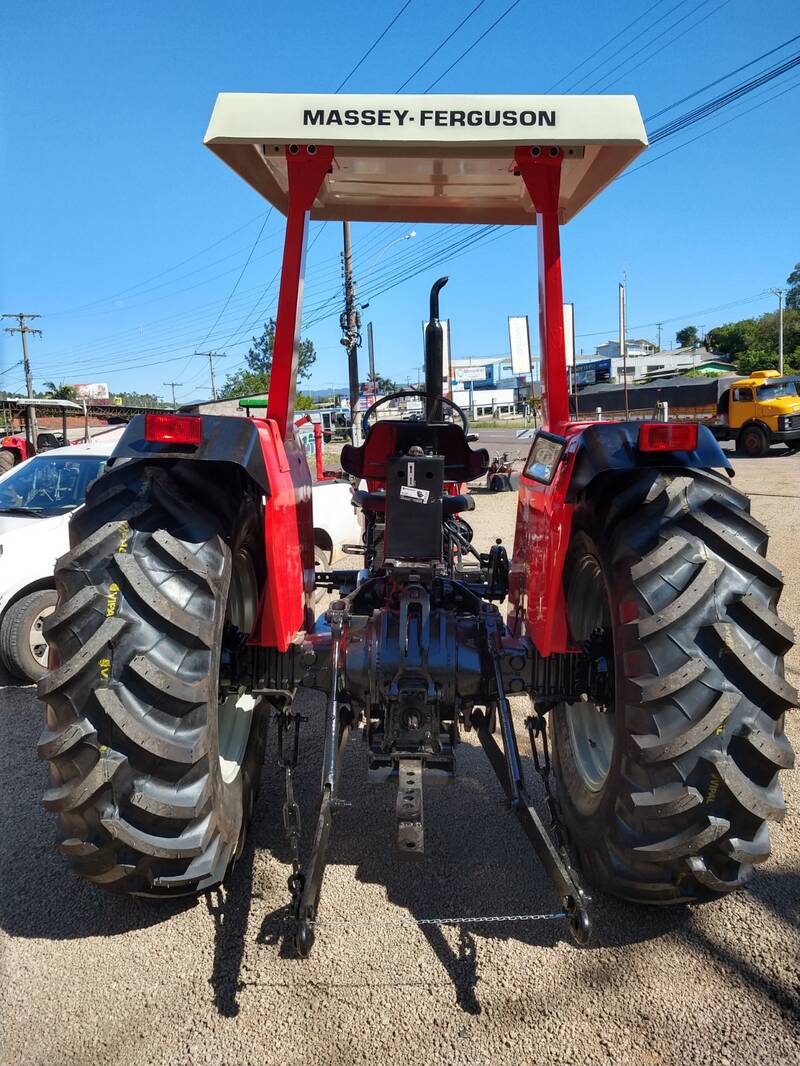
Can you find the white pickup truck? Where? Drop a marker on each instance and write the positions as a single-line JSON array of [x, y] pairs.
[[37, 498]]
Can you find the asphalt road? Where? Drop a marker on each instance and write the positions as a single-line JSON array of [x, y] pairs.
[[87, 978]]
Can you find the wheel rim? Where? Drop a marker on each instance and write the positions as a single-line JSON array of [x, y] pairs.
[[36, 639], [591, 732], [752, 441], [235, 713]]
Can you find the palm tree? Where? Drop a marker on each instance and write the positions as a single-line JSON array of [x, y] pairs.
[[62, 391]]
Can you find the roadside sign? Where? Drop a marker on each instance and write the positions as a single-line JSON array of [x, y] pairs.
[[470, 373], [520, 341]]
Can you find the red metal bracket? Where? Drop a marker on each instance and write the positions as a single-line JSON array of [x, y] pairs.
[[540, 169], [307, 165]]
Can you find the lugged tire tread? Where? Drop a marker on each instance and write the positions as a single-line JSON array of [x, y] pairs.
[[655, 748], [702, 688], [138, 581], [127, 736], [160, 734]]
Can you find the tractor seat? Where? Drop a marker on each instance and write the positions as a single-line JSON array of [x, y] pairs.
[[376, 501], [388, 439]]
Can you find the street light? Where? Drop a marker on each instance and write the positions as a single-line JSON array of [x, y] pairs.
[[780, 294], [382, 251]]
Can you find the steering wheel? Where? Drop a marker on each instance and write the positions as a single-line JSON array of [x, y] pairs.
[[367, 424]]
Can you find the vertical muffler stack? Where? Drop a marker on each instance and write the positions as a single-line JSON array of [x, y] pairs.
[[434, 356]]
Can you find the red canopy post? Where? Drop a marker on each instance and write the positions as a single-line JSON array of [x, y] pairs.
[[307, 166], [540, 169]]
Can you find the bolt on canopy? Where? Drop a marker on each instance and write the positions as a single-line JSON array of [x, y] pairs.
[[427, 158]]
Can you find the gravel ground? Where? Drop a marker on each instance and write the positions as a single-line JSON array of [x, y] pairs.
[[88, 978]]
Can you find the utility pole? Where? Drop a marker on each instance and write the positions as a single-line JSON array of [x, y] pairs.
[[174, 385], [24, 329], [350, 322], [780, 293], [211, 356], [623, 346], [658, 327]]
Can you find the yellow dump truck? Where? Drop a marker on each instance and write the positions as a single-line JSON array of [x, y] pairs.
[[755, 411]]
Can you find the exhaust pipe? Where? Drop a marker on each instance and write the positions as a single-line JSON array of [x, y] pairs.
[[434, 355]]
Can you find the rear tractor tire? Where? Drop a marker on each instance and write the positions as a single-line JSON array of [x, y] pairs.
[[153, 774], [667, 795]]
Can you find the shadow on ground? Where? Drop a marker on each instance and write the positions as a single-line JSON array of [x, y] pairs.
[[40, 896], [478, 863]]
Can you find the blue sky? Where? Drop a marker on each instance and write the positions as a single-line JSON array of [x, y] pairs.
[[128, 236]]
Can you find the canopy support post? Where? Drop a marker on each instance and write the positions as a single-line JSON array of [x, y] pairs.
[[307, 166], [540, 169]]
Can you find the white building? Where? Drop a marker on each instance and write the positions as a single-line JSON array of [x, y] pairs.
[[635, 349], [641, 367]]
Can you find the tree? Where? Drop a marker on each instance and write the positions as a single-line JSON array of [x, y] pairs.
[[734, 338], [757, 359], [687, 336], [255, 378], [793, 293], [383, 386], [62, 391]]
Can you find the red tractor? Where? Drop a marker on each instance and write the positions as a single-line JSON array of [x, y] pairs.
[[15, 448], [642, 620]]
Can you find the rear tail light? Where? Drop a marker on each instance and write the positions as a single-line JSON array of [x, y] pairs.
[[173, 429], [668, 437]]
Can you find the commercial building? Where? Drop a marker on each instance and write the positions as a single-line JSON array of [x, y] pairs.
[[640, 367]]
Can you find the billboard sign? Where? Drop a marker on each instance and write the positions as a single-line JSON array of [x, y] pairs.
[[469, 373], [96, 391], [520, 340], [569, 334], [591, 373]]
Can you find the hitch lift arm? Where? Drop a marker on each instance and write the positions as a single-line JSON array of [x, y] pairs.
[[506, 764]]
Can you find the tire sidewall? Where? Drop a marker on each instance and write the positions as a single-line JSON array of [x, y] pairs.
[[17, 625], [232, 800]]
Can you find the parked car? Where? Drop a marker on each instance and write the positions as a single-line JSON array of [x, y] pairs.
[[37, 498]]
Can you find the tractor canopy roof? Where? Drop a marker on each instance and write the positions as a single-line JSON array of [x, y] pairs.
[[427, 158]]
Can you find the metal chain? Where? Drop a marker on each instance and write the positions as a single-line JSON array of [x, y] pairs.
[[291, 810], [537, 726], [346, 923]]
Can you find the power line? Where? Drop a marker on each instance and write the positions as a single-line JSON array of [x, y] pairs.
[[241, 275], [686, 314], [724, 77], [739, 91], [441, 45], [372, 47], [624, 48], [477, 41], [718, 126], [154, 277], [602, 47], [639, 60]]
